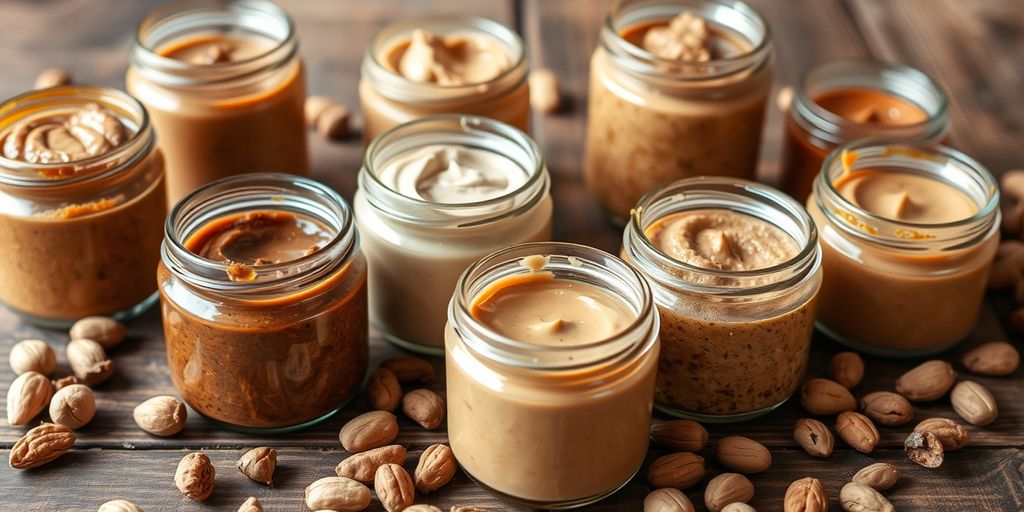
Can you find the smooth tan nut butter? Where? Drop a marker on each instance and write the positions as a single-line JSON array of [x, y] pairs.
[[527, 424], [448, 60]]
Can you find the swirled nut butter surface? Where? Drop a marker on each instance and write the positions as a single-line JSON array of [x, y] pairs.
[[448, 60], [452, 175], [905, 197], [83, 133], [717, 367], [217, 49], [686, 38], [871, 106]]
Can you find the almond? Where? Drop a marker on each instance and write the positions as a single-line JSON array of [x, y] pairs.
[[743, 454], [108, 332], [252, 504], [727, 488], [89, 361], [805, 495], [667, 500], [677, 470], [258, 464], [887, 408], [435, 469], [27, 397], [855, 497], [858, 431], [333, 123], [928, 381], [119, 506], [161, 416], [410, 369], [974, 403], [879, 476], [996, 359], [362, 466], [32, 356], [394, 487], [368, 431], [825, 397], [383, 390], [424, 407], [925, 449], [680, 435], [314, 107], [738, 507], [63, 382], [337, 493], [41, 445], [814, 437], [544, 93], [52, 77], [195, 476], [951, 434], [846, 368], [73, 406]]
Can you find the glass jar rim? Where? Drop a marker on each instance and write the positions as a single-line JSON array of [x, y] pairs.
[[139, 144]]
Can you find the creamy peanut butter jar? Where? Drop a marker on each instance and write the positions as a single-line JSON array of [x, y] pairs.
[[435, 195], [735, 267], [263, 294], [908, 234], [226, 88], [678, 88], [551, 354], [443, 65], [81, 205]]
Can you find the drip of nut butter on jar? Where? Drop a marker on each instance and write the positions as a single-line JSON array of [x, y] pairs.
[[450, 60]]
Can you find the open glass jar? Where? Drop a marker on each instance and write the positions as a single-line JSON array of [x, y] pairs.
[[225, 86], [551, 425], [264, 347], [389, 98], [868, 93], [80, 237], [654, 120], [735, 343], [416, 246], [899, 288]]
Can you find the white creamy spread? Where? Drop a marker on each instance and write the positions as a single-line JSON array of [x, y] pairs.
[[450, 174]]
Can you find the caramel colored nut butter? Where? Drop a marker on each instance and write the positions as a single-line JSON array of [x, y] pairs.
[[724, 368], [269, 363]]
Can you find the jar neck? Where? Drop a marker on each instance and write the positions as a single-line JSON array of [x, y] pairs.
[[903, 82], [919, 158], [396, 87], [184, 19], [259, 192], [95, 170], [733, 17], [741, 196], [569, 262], [473, 132]]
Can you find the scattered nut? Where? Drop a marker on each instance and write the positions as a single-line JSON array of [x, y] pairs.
[[161, 415], [258, 464], [1008, 267], [27, 397], [383, 390], [461, 508], [89, 361], [73, 406], [824, 397], [680, 435], [52, 77], [544, 93], [667, 500], [333, 122], [119, 506], [784, 98], [854, 497], [368, 431], [315, 107], [805, 495], [846, 368], [362, 466], [858, 431], [32, 356], [974, 403], [424, 407], [814, 437], [743, 454], [410, 369], [928, 381], [63, 382], [195, 476], [727, 488], [435, 469], [924, 448], [41, 445], [996, 358], [738, 507], [887, 408], [394, 487], [879, 476], [337, 493], [422, 508], [251, 505], [676, 470], [108, 332], [951, 434]]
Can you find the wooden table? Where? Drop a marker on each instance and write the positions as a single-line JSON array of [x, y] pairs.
[[975, 49]]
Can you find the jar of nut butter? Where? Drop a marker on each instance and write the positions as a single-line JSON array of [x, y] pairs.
[[443, 65], [435, 195], [678, 88], [847, 100], [735, 268], [908, 233], [263, 293], [81, 205], [225, 86], [551, 355]]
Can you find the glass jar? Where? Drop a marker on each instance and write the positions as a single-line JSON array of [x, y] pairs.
[[284, 349], [653, 120], [226, 118], [551, 426], [734, 343], [812, 131], [895, 288], [389, 99], [81, 238], [417, 249]]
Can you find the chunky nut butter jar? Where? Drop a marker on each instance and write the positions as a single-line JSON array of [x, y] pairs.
[[81, 205], [735, 267], [435, 195], [678, 88], [225, 87], [551, 353], [839, 102], [443, 65], [263, 293], [908, 234]]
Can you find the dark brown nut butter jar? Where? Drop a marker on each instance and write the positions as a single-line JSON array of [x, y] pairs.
[[263, 293]]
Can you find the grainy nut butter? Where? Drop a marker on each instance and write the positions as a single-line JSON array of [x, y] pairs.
[[735, 269], [909, 231], [81, 205], [225, 86], [678, 88], [434, 196], [263, 289], [443, 65], [551, 356]]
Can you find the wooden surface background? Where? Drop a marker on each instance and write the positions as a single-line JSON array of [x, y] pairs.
[[975, 49]]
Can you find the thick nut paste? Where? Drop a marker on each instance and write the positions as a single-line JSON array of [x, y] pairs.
[[452, 60]]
